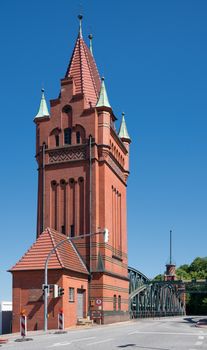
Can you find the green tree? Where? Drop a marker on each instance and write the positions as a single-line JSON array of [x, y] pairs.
[[196, 303]]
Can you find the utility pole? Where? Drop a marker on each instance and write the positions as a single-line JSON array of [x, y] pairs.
[[170, 247]]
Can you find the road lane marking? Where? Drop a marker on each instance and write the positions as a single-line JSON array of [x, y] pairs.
[[201, 337], [198, 343], [80, 339], [70, 342], [164, 333], [99, 342], [59, 344]]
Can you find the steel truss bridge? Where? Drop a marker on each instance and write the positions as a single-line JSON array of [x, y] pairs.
[[152, 298]]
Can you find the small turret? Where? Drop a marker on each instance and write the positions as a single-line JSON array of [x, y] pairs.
[[90, 37], [103, 98], [43, 110], [123, 133]]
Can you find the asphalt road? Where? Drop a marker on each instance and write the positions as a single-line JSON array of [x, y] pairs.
[[159, 334]]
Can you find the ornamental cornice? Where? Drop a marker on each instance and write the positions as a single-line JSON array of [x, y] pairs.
[[66, 154]]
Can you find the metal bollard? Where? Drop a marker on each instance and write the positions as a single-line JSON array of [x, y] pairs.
[[23, 325], [61, 321]]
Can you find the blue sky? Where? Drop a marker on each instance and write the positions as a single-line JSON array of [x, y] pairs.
[[153, 55]]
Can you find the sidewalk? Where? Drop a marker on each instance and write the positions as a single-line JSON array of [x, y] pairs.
[[33, 334]]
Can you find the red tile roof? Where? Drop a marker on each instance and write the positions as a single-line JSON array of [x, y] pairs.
[[84, 71], [64, 257]]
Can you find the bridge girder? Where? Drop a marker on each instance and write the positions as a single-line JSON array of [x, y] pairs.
[[152, 298]]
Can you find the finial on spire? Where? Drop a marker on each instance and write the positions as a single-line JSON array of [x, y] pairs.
[[90, 37], [80, 17]]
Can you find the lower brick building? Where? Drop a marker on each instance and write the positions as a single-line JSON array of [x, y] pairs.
[[66, 269]]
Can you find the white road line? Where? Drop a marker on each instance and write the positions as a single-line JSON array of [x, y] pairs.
[[99, 342], [201, 337], [164, 333], [80, 339], [70, 342], [198, 343], [59, 344]]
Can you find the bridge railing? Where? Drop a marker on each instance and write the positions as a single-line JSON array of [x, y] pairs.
[[154, 314]]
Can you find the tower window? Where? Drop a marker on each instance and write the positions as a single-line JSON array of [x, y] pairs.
[[114, 302], [57, 140], [119, 302], [63, 229], [78, 138], [72, 231], [67, 136]]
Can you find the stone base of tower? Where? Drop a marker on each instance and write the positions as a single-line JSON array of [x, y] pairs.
[[109, 298], [115, 316]]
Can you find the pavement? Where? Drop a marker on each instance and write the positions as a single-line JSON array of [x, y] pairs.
[[170, 333]]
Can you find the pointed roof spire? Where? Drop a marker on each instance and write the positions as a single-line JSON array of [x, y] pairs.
[[90, 37], [82, 68], [80, 17], [103, 98], [123, 133], [43, 110]]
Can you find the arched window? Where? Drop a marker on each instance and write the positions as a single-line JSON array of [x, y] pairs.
[[78, 137], [119, 302], [114, 302], [67, 136], [57, 143]]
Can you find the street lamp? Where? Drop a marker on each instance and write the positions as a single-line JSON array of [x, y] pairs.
[[46, 286]]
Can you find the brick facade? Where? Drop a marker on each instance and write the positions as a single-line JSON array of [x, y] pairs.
[[83, 167], [28, 297]]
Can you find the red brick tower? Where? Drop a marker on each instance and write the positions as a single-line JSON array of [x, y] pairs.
[[82, 178]]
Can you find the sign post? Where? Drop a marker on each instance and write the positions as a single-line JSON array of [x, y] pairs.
[[98, 313]]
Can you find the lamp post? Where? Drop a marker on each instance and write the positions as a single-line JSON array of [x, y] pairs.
[[46, 286]]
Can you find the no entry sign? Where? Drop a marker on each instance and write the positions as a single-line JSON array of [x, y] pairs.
[[98, 302]]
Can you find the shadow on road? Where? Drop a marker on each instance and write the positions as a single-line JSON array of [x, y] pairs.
[[191, 320], [141, 347], [195, 319]]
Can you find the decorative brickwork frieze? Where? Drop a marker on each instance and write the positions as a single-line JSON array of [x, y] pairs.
[[67, 154]]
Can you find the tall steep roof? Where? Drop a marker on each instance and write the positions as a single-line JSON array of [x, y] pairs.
[[64, 257], [83, 69]]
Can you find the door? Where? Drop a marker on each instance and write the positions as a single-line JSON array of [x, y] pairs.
[[80, 304]]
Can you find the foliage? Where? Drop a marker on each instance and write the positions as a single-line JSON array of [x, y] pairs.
[[196, 304], [196, 270]]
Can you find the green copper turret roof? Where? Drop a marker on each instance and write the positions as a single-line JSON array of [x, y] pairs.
[[103, 98], [43, 110], [90, 37], [80, 34], [123, 133]]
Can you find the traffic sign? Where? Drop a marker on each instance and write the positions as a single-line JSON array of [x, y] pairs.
[[98, 302]]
